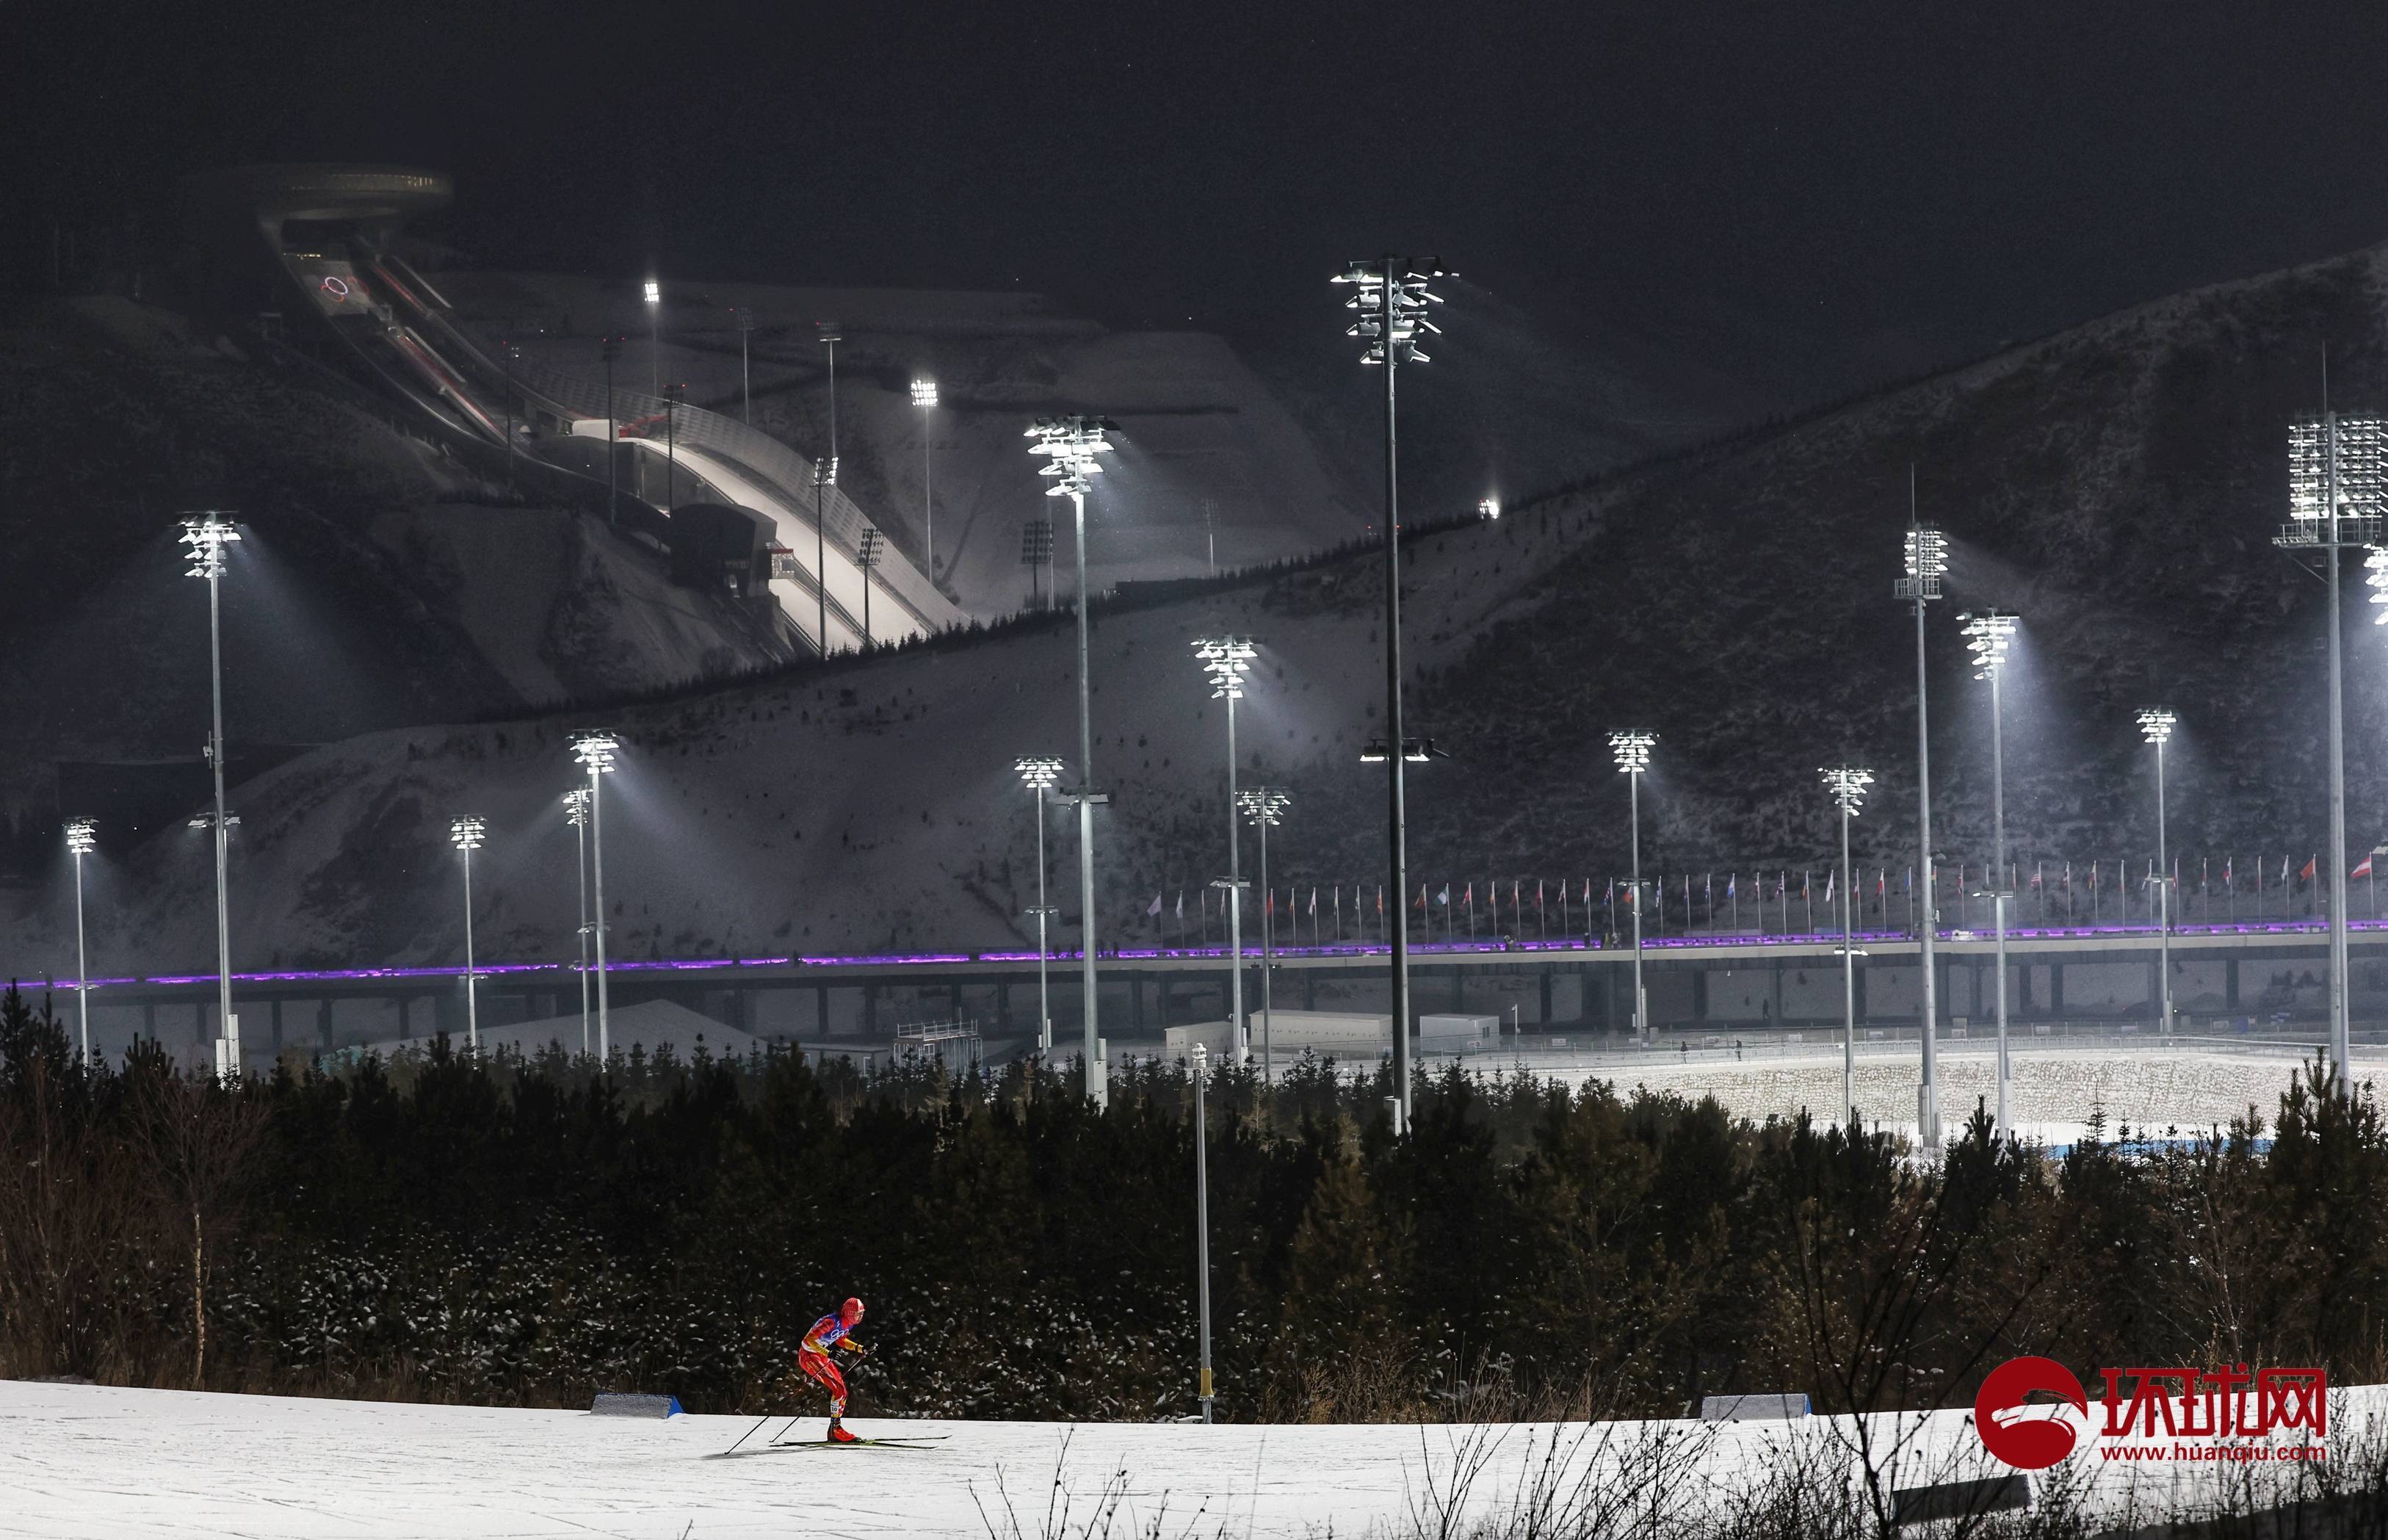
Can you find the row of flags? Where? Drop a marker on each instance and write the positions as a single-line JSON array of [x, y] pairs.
[[1562, 896]]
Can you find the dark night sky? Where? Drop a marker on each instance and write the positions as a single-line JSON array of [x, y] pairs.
[[1783, 189]]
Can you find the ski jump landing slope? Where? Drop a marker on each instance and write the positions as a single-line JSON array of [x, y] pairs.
[[83, 1461]]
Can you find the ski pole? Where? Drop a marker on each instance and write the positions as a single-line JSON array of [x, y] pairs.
[[747, 1434]]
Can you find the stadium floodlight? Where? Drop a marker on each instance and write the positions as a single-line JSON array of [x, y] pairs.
[[2338, 494], [654, 338], [925, 396], [83, 835], [1264, 807], [1202, 1231], [1040, 776], [1928, 565], [1390, 298], [1988, 634], [595, 750], [576, 813], [2156, 723], [1069, 445], [1488, 508], [1847, 784], [465, 835], [206, 534], [869, 550], [1226, 660], [745, 319], [1631, 751]]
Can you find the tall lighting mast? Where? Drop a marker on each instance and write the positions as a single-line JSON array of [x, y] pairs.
[[1226, 660], [1848, 785], [1265, 807], [206, 535], [1988, 634], [1041, 776], [1927, 564], [81, 835], [1633, 752], [465, 835], [1390, 298], [2338, 488], [595, 752], [2156, 727], [575, 812], [1069, 445], [925, 396]]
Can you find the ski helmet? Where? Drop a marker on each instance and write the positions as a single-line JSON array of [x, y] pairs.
[[850, 1312]]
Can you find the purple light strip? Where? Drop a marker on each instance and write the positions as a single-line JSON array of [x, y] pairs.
[[1219, 954]]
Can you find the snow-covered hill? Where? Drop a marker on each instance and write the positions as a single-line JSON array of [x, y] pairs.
[[2117, 483]]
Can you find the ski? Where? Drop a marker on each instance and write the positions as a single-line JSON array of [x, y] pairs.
[[921, 1442]]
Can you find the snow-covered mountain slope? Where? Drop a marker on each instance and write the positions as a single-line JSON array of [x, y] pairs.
[[2117, 483], [382, 583]]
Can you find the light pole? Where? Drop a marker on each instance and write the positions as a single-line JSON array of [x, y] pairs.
[[595, 750], [1203, 1231], [1069, 445], [508, 352], [745, 320], [1633, 752], [575, 812], [1988, 634], [828, 335], [1389, 295], [672, 394], [465, 833], [1040, 776], [2338, 488], [82, 835], [824, 478], [206, 535], [1226, 660], [925, 396], [610, 349], [1927, 563], [866, 557], [2156, 727], [1265, 806], [654, 338], [1848, 785]]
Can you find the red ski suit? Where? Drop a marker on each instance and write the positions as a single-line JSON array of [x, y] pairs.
[[813, 1357]]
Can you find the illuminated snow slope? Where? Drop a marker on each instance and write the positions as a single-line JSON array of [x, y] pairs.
[[97, 1461]]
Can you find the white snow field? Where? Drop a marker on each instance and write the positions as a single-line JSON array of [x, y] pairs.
[[85, 1460]]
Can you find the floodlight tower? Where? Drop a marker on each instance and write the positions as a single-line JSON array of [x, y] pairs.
[[575, 812], [82, 835], [1488, 509], [1988, 634], [745, 320], [654, 338], [1226, 660], [1848, 785], [1203, 1232], [1633, 752], [2338, 490], [1266, 806], [1069, 445], [824, 478], [1927, 564], [2156, 727], [867, 553], [1040, 776], [925, 396], [465, 835], [205, 535], [595, 751], [1390, 298]]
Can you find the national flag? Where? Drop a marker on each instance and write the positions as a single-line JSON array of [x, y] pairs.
[[1828, 885], [1153, 910], [2284, 871], [1313, 903], [1468, 898], [2363, 871], [1443, 899], [2228, 880], [1729, 880], [1421, 898], [1538, 895], [1181, 903], [1269, 905], [1381, 900], [2306, 873]]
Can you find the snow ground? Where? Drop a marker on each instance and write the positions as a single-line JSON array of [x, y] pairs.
[[85, 1460]]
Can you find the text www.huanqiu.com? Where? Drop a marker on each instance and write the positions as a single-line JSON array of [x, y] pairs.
[[2242, 1453]]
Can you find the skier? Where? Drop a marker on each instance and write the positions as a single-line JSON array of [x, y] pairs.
[[814, 1359]]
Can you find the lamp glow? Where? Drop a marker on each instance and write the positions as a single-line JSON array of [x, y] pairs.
[[1988, 635], [1848, 786], [924, 392], [1225, 659], [1488, 508], [1632, 750], [2156, 724]]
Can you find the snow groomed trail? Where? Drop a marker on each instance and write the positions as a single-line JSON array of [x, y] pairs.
[[97, 1461]]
